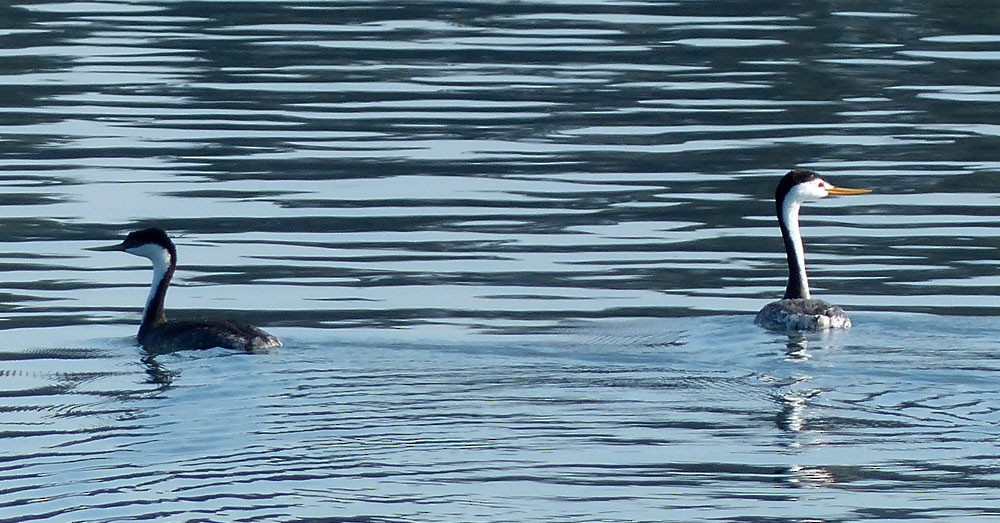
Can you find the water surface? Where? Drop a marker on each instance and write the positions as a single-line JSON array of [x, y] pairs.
[[514, 251]]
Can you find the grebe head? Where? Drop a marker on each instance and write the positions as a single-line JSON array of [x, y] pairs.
[[152, 244], [801, 185]]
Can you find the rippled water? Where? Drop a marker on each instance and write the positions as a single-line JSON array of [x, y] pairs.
[[514, 251]]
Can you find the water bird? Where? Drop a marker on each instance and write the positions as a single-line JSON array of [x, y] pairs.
[[159, 334], [798, 310]]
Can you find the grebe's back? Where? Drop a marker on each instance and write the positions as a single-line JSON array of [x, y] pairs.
[[205, 334], [802, 314]]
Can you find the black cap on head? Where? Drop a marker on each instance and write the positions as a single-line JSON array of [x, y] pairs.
[[135, 239], [145, 236], [791, 179]]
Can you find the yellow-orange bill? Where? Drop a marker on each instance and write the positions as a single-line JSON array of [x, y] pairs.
[[844, 191]]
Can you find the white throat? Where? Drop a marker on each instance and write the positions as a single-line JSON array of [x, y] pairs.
[[161, 263]]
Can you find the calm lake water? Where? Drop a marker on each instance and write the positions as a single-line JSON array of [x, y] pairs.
[[514, 251]]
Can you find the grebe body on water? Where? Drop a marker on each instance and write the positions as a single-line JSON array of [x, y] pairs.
[[798, 310], [159, 334]]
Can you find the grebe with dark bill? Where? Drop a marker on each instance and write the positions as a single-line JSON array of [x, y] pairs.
[[159, 334], [797, 310]]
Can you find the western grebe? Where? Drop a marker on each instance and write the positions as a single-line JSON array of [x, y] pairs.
[[797, 310], [156, 332]]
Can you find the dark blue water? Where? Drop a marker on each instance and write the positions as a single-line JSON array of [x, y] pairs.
[[514, 251]]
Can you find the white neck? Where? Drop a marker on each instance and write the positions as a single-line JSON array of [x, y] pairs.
[[161, 263], [790, 213]]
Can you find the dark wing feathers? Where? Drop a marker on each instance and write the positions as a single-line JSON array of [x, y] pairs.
[[206, 334]]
